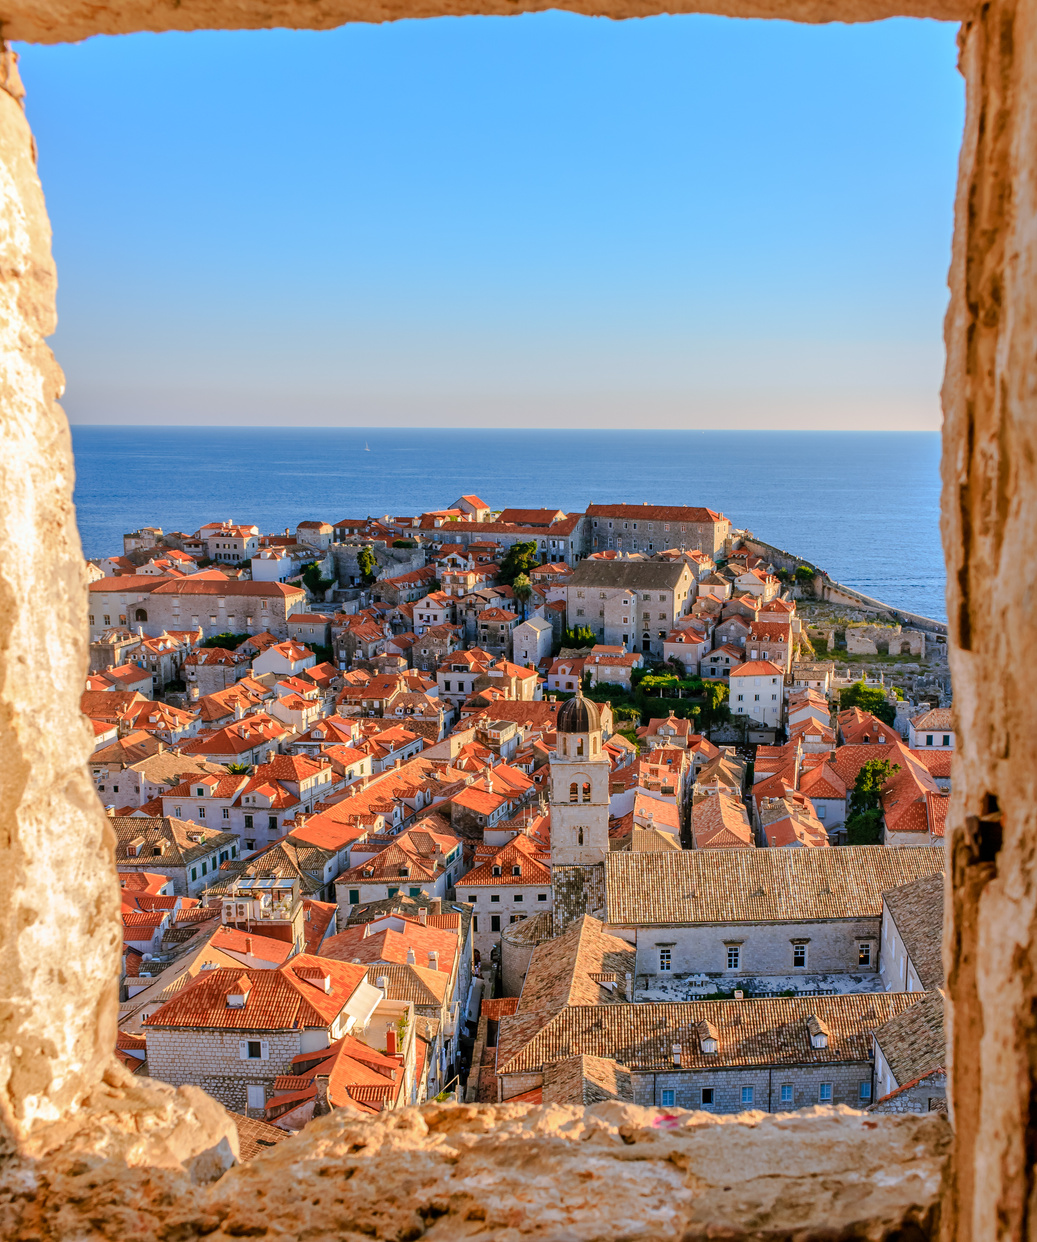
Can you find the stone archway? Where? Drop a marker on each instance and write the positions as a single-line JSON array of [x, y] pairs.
[[59, 925]]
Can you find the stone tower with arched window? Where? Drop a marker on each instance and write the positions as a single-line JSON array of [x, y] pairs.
[[580, 772]]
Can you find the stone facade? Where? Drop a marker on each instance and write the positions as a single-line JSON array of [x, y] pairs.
[[849, 1083], [832, 947], [212, 1059]]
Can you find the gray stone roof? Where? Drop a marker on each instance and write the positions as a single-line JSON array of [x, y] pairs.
[[917, 911], [913, 1041], [760, 886], [165, 841]]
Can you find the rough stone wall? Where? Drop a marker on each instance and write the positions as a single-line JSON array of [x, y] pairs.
[[212, 1060], [989, 499], [59, 922], [500, 1173], [57, 1026]]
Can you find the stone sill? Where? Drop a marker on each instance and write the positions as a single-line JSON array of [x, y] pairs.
[[507, 1171]]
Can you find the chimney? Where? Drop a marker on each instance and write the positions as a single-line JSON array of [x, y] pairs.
[[382, 983], [423, 915], [248, 945], [390, 1043], [628, 986], [437, 905], [433, 959], [411, 957]]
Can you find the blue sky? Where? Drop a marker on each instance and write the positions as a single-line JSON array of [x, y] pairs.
[[541, 220]]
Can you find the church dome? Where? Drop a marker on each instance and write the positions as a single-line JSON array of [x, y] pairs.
[[578, 715]]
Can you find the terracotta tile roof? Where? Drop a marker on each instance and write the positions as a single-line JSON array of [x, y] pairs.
[[938, 763], [757, 668], [857, 727], [519, 852], [657, 513], [720, 821], [495, 1008], [913, 1040], [413, 983], [764, 1031], [288, 998], [361, 943], [746, 886], [266, 948]]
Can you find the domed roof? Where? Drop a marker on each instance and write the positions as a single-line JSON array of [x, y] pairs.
[[578, 715]]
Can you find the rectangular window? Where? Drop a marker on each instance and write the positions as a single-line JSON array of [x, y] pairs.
[[864, 954], [354, 896], [494, 922], [664, 959], [475, 924], [799, 955], [271, 823], [255, 1050], [733, 955], [256, 1096], [541, 896], [707, 1097], [667, 1100], [864, 1092], [250, 845], [747, 1095], [825, 1093], [494, 897], [201, 812], [226, 812], [786, 1093], [248, 821], [946, 739], [517, 897], [194, 873], [205, 867], [928, 739]]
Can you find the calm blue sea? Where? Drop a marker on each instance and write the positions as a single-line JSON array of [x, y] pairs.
[[863, 505]]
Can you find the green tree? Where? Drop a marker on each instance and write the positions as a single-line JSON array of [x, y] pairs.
[[367, 565], [314, 581], [868, 700], [864, 820], [523, 589], [238, 769], [715, 709], [520, 558], [581, 636], [404, 543], [227, 641]]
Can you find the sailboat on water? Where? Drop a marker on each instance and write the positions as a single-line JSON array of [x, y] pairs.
[[367, 447]]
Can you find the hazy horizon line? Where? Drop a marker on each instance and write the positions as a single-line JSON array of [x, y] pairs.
[[806, 431]]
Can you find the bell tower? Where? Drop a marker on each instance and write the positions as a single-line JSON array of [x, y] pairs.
[[580, 773]]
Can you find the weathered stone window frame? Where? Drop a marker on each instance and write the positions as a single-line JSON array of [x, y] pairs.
[[60, 1085]]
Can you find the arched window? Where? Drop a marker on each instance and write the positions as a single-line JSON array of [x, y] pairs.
[[586, 791], [573, 794], [140, 615], [594, 745], [579, 836], [579, 746]]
